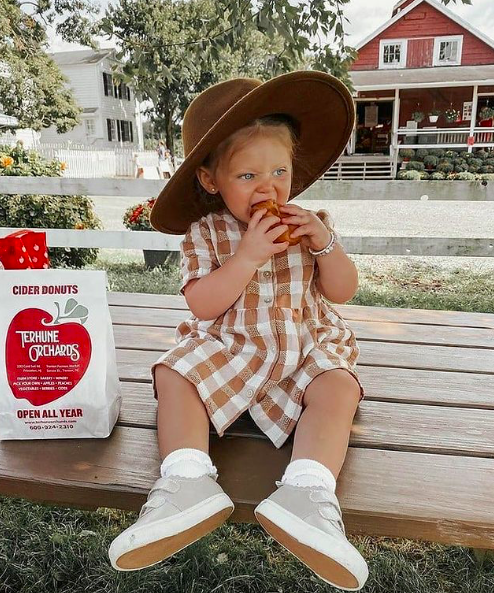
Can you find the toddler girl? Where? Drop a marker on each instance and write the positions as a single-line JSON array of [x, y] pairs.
[[261, 337]]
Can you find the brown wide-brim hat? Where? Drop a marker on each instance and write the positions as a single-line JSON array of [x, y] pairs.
[[320, 104]]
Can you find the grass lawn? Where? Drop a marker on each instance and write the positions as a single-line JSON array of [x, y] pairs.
[[50, 549]]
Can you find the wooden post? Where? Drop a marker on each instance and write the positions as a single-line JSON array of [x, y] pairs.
[[475, 101], [394, 135]]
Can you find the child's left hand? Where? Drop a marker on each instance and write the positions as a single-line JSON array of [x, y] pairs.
[[311, 228]]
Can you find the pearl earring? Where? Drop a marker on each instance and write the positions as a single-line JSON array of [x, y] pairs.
[[213, 190]]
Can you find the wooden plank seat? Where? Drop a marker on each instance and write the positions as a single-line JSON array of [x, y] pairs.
[[421, 458]]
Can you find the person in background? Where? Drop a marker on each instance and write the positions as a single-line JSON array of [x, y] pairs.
[[164, 161]]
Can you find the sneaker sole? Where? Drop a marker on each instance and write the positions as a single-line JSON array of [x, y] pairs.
[[160, 549], [328, 569]]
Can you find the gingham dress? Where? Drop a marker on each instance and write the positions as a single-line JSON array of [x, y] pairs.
[[262, 353]]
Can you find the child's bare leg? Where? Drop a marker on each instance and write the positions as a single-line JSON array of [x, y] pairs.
[[307, 492], [190, 504], [182, 418], [323, 430]]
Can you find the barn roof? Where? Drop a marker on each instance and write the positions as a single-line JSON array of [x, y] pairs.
[[437, 6], [422, 77]]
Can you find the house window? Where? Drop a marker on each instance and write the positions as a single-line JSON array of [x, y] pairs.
[[111, 129], [447, 50], [393, 53], [90, 127], [108, 84]]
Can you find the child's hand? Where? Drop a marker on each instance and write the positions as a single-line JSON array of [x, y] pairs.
[[257, 245], [311, 228]]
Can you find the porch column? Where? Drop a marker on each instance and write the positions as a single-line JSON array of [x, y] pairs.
[[475, 101], [394, 135]]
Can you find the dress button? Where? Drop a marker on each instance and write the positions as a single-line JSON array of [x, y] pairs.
[[250, 392], [267, 274], [268, 299]]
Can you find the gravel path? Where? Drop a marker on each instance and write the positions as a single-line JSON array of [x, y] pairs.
[[380, 218]]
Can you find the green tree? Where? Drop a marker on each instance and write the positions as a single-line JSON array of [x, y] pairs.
[[157, 40], [32, 87], [173, 49]]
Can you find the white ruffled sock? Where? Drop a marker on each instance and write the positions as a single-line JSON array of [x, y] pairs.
[[187, 463], [307, 472]]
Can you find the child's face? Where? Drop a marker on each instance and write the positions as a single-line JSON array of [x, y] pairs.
[[259, 170]]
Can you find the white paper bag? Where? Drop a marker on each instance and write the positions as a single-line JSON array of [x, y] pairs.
[[58, 370]]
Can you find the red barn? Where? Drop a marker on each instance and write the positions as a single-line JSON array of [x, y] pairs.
[[424, 79]]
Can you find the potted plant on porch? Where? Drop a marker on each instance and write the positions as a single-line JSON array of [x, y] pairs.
[[451, 114], [418, 116], [136, 218], [434, 115], [486, 116]]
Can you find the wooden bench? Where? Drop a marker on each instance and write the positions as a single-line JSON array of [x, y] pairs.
[[421, 459]]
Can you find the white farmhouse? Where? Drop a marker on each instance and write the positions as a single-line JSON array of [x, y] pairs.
[[111, 117]]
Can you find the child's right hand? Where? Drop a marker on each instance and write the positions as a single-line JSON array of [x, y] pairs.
[[257, 245]]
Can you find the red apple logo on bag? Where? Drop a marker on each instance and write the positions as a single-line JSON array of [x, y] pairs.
[[46, 358]]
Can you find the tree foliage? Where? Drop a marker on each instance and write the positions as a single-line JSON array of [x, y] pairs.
[[32, 87], [173, 49], [260, 38]]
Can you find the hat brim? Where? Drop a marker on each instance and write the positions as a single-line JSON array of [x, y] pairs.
[[321, 105]]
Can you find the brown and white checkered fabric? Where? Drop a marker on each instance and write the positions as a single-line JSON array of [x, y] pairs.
[[263, 352]]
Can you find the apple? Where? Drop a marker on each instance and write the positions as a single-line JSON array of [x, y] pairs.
[[45, 362]]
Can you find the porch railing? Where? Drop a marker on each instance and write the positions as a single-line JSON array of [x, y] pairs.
[[448, 137]]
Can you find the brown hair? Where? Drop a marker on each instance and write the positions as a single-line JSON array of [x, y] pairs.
[[280, 125]]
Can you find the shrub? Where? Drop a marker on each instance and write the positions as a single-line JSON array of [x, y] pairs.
[[430, 160], [424, 175], [41, 211], [487, 169], [487, 177], [410, 175], [489, 161], [466, 155], [445, 167], [475, 162], [415, 166], [438, 176], [465, 176], [461, 167], [407, 153], [421, 153], [439, 152], [481, 154], [452, 176], [136, 218], [450, 154]]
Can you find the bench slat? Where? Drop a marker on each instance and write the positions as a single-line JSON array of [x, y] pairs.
[[159, 338], [117, 472], [355, 312], [407, 386], [382, 425], [135, 364], [145, 316]]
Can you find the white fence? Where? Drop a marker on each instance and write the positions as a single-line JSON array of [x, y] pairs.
[[434, 246], [97, 163], [83, 161]]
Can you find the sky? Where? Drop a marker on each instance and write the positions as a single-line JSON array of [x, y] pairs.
[[365, 16]]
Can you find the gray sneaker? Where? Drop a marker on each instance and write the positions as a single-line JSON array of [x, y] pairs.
[[178, 512], [307, 522]]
